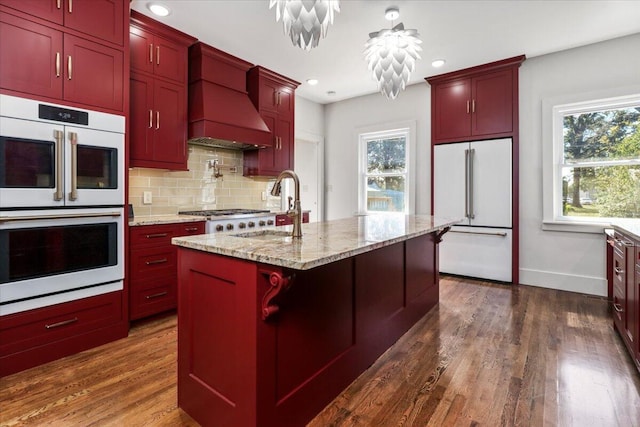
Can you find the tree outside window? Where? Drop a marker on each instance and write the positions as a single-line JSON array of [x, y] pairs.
[[384, 171], [600, 162]]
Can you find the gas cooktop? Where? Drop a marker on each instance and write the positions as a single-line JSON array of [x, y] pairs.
[[224, 212]]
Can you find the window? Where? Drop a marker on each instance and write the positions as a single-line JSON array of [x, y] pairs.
[[385, 183], [596, 160]]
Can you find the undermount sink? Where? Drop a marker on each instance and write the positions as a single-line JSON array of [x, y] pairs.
[[265, 234]]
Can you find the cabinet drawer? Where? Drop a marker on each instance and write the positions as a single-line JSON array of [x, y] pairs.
[[618, 308], [153, 263], [190, 228], [619, 273], [38, 327], [150, 297], [151, 235]]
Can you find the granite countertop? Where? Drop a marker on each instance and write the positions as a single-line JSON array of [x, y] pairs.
[[162, 219], [321, 243], [631, 227]]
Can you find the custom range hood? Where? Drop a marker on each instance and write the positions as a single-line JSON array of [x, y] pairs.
[[220, 111]]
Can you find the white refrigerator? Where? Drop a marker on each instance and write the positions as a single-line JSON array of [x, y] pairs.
[[472, 180]]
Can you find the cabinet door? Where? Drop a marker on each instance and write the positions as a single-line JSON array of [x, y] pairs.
[[93, 73], [267, 156], [142, 118], [34, 64], [51, 10], [169, 60], [285, 101], [283, 155], [169, 127], [452, 110], [141, 49], [98, 18], [449, 180], [492, 103], [268, 94], [490, 183], [631, 297]]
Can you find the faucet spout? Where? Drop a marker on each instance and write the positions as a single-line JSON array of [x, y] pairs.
[[294, 212]]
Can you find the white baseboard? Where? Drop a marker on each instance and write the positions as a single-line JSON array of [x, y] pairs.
[[565, 282]]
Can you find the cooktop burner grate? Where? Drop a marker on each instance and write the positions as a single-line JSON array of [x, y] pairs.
[[223, 212]]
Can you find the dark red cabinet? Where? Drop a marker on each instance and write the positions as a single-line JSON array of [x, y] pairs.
[[274, 97], [626, 291], [284, 219], [63, 57], [477, 103], [158, 84], [153, 266]]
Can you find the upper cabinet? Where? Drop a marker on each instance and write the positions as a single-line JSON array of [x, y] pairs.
[[158, 125], [475, 103], [70, 51], [274, 97]]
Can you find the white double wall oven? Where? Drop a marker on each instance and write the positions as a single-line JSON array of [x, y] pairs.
[[61, 203]]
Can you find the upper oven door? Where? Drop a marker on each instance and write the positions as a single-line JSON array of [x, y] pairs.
[[94, 172], [30, 157]]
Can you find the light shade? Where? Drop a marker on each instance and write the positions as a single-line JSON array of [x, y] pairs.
[[391, 55], [305, 21]]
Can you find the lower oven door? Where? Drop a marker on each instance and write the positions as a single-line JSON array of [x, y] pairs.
[[49, 257]]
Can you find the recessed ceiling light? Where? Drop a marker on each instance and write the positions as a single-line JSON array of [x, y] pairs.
[[438, 63], [392, 13], [158, 9], [312, 82]]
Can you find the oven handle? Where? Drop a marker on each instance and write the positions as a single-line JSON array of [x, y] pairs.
[[59, 194], [37, 217], [73, 138]]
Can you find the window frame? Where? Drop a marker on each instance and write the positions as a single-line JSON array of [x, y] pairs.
[[406, 129], [553, 113]]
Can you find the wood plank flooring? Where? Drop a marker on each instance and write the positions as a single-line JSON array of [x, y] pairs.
[[488, 355]]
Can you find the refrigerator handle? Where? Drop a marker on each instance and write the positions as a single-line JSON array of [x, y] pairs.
[[466, 183], [472, 152]]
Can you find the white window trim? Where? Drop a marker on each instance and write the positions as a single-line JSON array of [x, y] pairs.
[[381, 131], [552, 126]]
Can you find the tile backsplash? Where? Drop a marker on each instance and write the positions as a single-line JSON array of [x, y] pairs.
[[198, 188]]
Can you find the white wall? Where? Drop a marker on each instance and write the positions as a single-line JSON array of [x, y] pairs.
[[564, 260], [341, 144], [561, 260], [309, 118]]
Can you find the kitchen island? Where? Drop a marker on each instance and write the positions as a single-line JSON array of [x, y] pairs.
[[272, 328]]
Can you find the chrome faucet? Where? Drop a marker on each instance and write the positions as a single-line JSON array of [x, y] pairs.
[[294, 212]]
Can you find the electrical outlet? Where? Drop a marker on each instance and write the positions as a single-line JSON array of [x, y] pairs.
[[264, 195], [147, 198]]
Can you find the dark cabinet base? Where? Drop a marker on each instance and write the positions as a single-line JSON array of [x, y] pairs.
[[329, 325]]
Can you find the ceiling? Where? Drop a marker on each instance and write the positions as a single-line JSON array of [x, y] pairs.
[[464, 33]]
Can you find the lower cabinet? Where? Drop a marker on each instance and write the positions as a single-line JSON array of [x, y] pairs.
[[34, 337], [153, 268], [625, 272]]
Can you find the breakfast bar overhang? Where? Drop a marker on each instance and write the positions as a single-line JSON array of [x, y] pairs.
[[272, 328]]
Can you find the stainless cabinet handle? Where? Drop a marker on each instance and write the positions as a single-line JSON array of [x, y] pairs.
[[73, 137], [481, 233], [69, 67], [150, 119], [156, 235], [58, 4], [63, 323], [70, 6], [191, 229], [157, 55], [618, 270], [59, 137], [618, 307], [57, 64], [473, 106], [156, 261], [159, 294], [63, 216], [157, 119], [151, 53], [472, 215], [467, 106]]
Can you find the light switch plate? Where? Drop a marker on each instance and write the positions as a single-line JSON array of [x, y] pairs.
[[147, 197]]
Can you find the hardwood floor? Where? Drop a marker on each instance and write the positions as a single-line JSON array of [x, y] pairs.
[[488, 355]]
